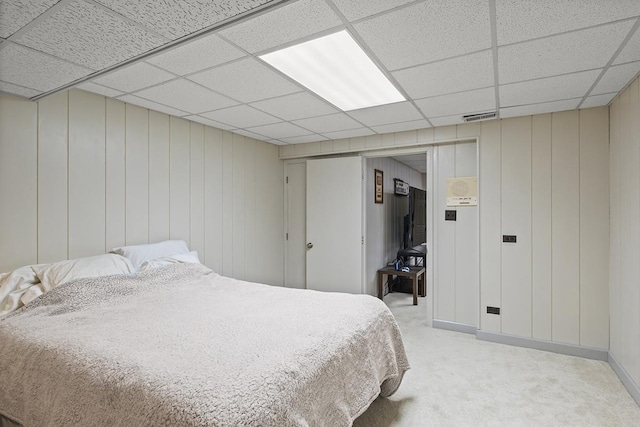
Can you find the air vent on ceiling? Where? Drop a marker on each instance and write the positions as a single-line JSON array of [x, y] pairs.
[[479, 116]]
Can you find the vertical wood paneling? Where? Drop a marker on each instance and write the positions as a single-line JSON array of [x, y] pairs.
[[213, 184], [52, 177], [115, 174], [227, 203], [629, 351], [18, 155], [490, 241], [565, 169], [445, 295], [516, 220], [179, 179], [87, 207], [159, 203], [239, 260], [137, 175], [269, 212], [196, 210], [541, 226], [615, 168], [249, 165], [467, 290], [594, 227]]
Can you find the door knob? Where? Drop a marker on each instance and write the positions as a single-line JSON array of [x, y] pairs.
[[309, 245]]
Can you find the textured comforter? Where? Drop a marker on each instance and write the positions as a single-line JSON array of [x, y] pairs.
[[184, 346]]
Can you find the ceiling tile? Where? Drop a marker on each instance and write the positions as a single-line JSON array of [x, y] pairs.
[[279, 130], [545, 107], [187, 96], [616, 77], [285, 24], [427, 32], [26, 67], [354, 10], [71, 34], [134, 77], [196, 55], [303, 139], [95, 88], [447, 120], [401, 127], [18, 90], [15, 14], [330, 123], [208, 122], [246, 80], [467, 72], [519, 20], [296, 106], [140, 102], [459, 103], [351, 133], [175, 19], [549, 89], [561, 54], [631, 51], [241, 116], [598, 100], [384, 114]]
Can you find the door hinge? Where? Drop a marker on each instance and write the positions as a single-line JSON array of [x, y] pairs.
[[287, 180], [287, 236], [363, 240]]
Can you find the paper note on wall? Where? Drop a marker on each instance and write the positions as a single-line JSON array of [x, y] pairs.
[[462, 191]]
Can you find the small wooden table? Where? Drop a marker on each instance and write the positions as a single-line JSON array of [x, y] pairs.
[[414, 273]]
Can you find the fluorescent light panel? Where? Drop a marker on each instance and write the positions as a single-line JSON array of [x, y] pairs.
[[337, 69]]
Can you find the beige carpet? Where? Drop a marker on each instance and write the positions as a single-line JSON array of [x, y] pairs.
[[456, 380]]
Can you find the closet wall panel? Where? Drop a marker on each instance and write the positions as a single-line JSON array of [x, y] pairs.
[[137, 175], [115, 174], [52, 177], [87, 207], [18, 182]]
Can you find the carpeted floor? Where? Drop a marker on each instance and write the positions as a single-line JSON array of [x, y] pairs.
[[456, 380]]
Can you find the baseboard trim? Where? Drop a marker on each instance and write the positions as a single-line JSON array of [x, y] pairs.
[[626, 379], [454, 326], [554, 347]]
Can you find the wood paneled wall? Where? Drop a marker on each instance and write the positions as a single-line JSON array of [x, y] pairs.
[[81, 173], [544, 178], [625, 230]]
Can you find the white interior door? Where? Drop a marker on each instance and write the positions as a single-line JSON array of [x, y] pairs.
[[296, 237], [334, 224]]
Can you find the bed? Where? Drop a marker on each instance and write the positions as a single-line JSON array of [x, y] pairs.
[[182, 345]]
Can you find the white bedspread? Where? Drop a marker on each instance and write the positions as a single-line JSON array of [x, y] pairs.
[[184, 346]]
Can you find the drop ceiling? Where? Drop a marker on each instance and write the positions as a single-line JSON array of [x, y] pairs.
[[200, 60]]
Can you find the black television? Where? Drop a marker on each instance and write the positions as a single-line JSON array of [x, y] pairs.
[[412, 210]]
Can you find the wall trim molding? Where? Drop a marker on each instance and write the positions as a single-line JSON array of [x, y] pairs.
[[626, 379], [554, 347], [455, 326]]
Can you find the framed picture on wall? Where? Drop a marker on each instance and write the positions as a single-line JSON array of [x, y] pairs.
[[378, 185]]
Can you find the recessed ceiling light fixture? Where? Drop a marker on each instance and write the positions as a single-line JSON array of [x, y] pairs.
[[337, 69]]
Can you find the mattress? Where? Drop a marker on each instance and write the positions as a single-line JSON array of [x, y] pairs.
[[182, 345]]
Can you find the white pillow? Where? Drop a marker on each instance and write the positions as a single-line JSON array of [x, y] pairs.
[[189, 257], [138, 254], [95, 266], [14, 284]]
